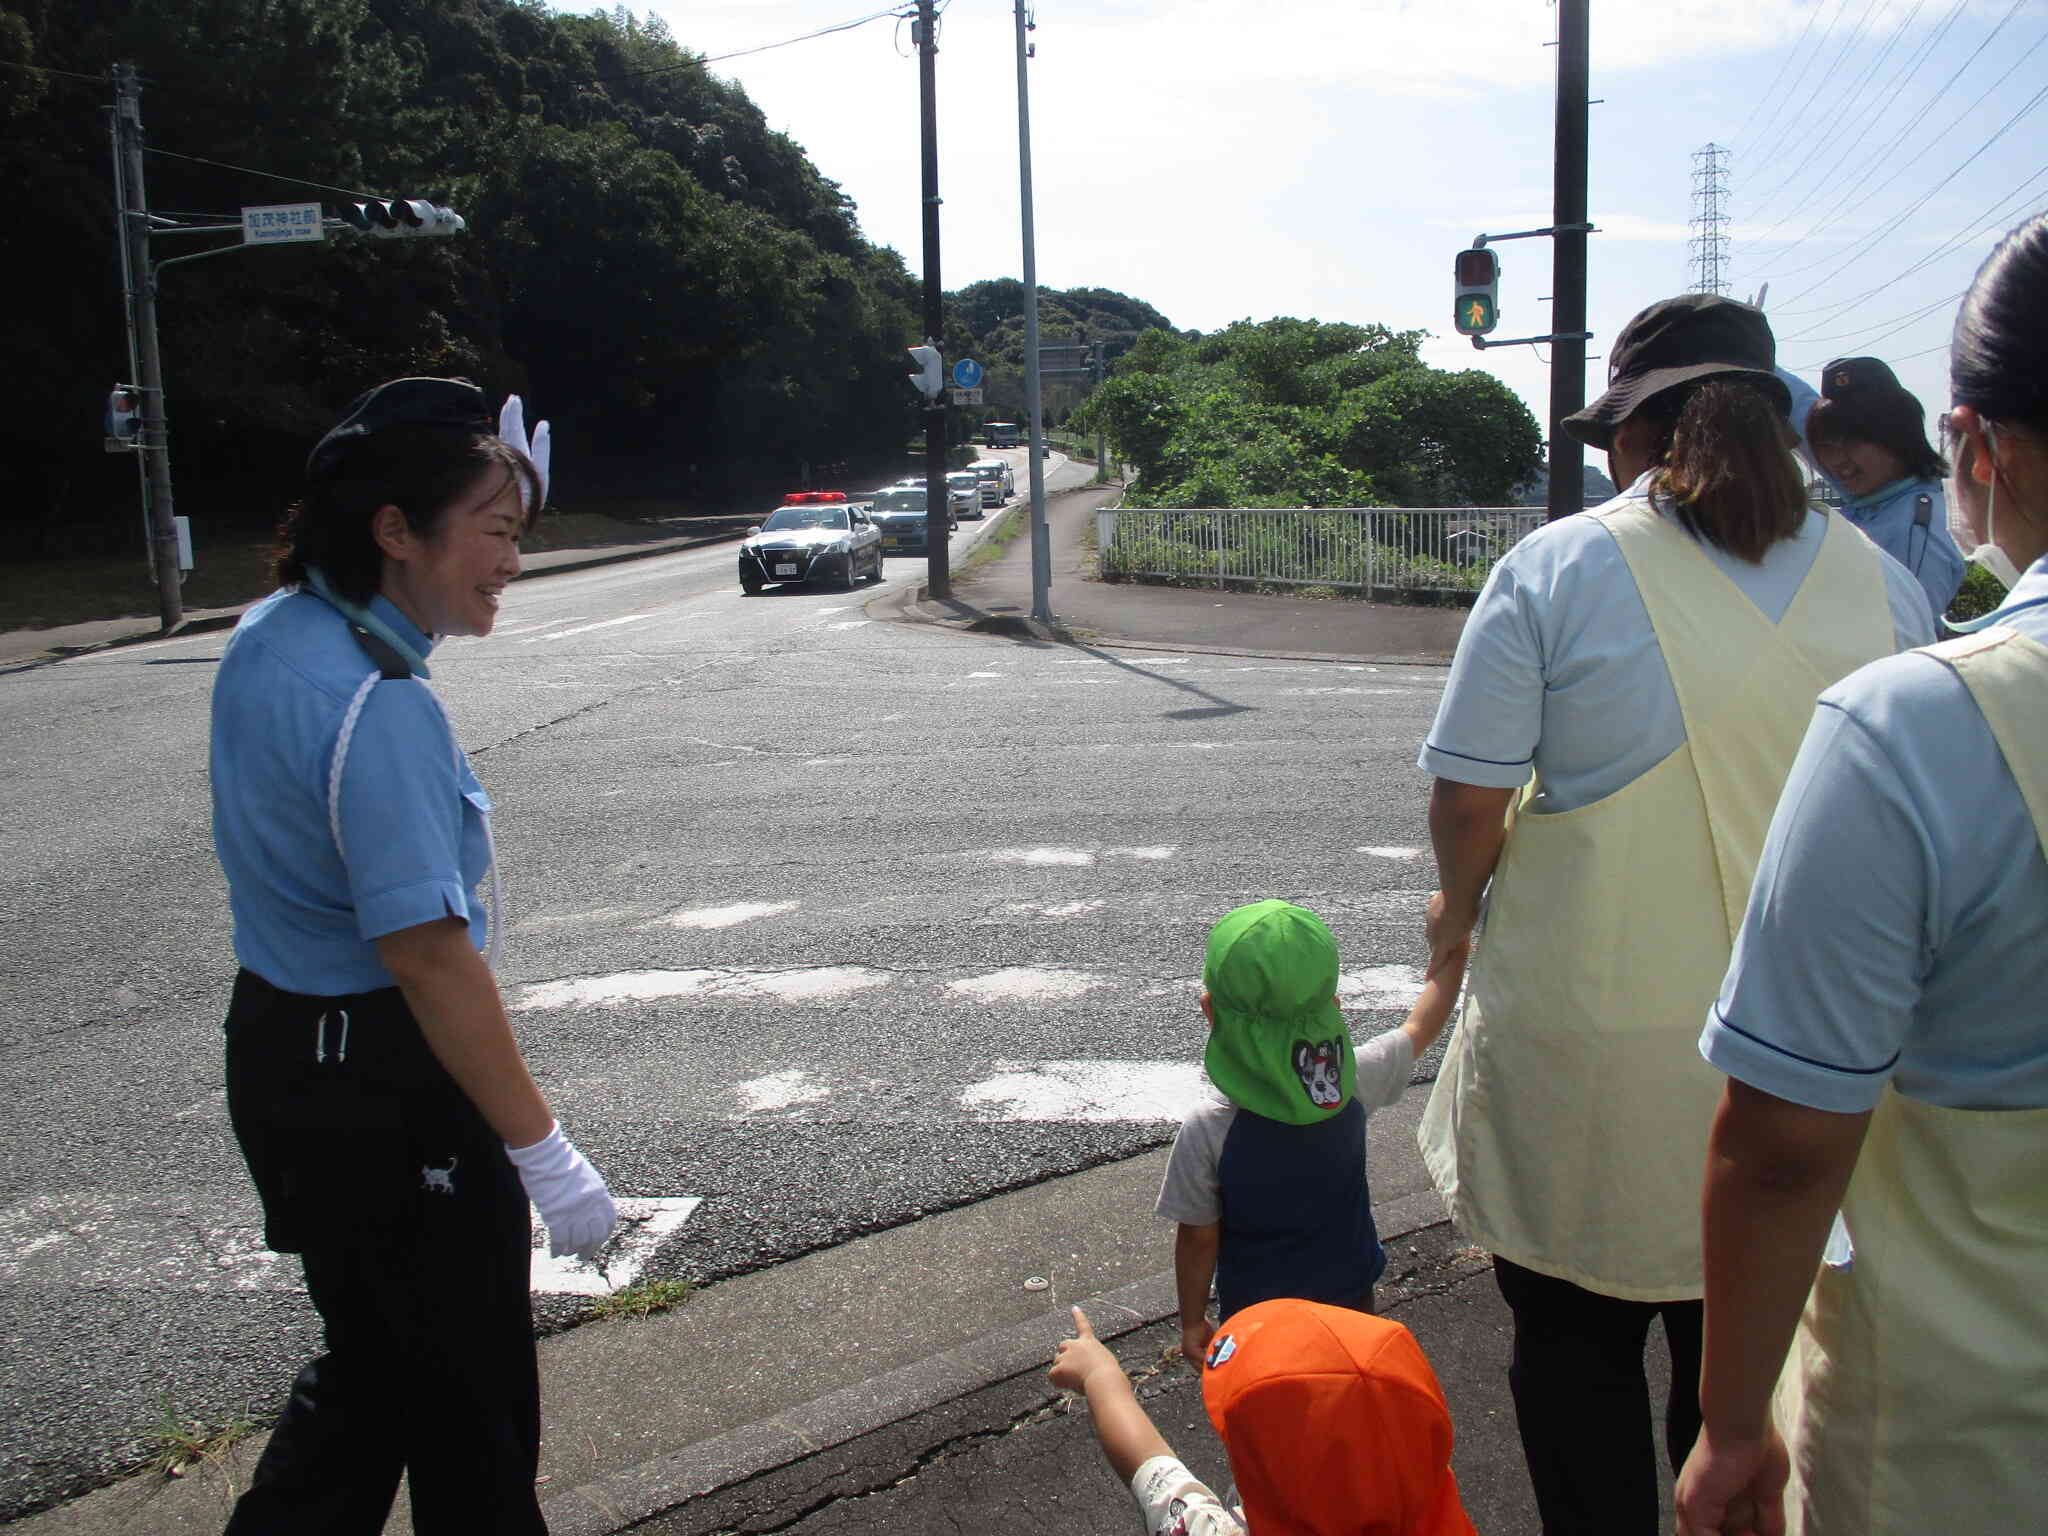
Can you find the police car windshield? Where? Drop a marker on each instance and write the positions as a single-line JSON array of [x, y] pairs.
[[805, 517]]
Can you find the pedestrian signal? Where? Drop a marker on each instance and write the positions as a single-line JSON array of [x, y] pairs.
[[1475, 308]]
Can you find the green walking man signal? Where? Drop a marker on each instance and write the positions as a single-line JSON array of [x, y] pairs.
[[1476, 308]]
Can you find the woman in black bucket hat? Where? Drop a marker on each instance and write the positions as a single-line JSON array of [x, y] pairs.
[[1624, 705]]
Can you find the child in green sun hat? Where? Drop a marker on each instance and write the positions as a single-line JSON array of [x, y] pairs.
[[1267, 1176]]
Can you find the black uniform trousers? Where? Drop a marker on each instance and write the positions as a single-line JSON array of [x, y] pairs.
[[1582, 1400], [413, 1228]]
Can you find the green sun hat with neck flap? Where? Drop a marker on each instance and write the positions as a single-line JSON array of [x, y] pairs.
[[1279, 1046]]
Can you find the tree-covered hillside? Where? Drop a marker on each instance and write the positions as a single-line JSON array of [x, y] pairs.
[[1301, 413], [674, 284]]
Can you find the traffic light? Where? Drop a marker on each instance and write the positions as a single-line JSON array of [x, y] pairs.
[[400, 218], [1476, 309], [124, 419], [931, 371]]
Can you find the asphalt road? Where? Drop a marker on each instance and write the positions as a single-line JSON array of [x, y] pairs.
[[817, 924]]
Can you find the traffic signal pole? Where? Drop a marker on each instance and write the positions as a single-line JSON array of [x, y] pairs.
[[938, 505], [1567, 486], [140, 283], [1034, 410]]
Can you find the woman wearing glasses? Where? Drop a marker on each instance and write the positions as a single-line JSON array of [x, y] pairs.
[[1885, 1037]]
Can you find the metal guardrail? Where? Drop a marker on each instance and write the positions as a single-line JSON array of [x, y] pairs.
[[1371, 549]]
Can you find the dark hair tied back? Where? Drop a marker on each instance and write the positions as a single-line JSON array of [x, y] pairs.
[[1725, 466], [421, 470], [1998, 360]]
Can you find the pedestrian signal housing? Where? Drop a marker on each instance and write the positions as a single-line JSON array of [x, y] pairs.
[[400, 218], [1476, 306], [930, 377]]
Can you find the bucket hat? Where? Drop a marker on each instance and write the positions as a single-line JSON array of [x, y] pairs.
[[1278, 1044], [416, 402], [1335, 1423], [1673, 342]]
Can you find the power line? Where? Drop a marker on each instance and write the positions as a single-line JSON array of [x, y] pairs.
[[1897, 323], [1811, 17], [1882, 156], [295, 181], [44, 69], [741, 53], [1818, 49]]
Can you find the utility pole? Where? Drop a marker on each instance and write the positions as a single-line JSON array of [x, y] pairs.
[[139, 281], [1567, 488], [937, 503], [1100, 358], [1041, 536]]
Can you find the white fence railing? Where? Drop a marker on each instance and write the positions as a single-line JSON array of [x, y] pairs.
[[1392, 549]]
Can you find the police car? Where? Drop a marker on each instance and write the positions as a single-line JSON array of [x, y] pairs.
[[812, 536]]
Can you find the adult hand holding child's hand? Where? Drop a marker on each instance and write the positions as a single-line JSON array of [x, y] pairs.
[[1076, 1359]]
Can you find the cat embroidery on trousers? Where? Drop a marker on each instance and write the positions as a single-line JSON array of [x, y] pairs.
[[439, 1181]]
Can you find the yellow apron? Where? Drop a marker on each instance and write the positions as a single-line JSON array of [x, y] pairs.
[[1568, 1126], [1915, 1398]]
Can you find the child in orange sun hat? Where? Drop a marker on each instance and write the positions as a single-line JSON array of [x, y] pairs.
[[1333, 1419]]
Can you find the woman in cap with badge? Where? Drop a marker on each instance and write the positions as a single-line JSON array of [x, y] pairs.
[[1883, 1032], [387, 1116], [1625, 701], [1863, 432]]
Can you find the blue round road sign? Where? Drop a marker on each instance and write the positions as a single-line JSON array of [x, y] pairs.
[[967, 373]]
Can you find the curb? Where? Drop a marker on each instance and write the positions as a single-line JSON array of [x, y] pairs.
[[638, 1494]]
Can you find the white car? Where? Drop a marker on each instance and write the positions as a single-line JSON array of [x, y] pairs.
[[998, 481], [967, 483]]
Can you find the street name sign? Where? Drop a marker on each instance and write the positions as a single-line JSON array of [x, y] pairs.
[[964, 396], [279, 223]]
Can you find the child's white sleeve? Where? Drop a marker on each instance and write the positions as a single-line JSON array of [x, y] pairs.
[[1175, 1502], [1385, 1063]]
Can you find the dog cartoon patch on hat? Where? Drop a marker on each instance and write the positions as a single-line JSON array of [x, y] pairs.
[[1320, 1065]]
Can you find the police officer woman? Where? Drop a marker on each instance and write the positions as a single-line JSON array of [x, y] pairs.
[[1863, 432], [1883, 1032], [1651, 665], [387, 1116]]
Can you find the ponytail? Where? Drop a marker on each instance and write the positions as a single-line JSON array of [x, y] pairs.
[[1724, 465]]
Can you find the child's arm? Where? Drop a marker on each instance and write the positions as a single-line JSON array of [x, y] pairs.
[[1432, 1009], [1127, 1436], [1194, 1266]]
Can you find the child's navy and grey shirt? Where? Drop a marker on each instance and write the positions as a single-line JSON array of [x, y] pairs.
[[1293, 1201]]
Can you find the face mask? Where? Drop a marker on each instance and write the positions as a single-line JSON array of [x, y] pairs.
[[1987, 554]]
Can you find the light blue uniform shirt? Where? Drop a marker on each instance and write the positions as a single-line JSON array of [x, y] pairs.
[[412, 813], [1559, 669], [1891, 515], [1898, 928]]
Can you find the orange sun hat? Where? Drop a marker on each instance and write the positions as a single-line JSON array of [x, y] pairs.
[[1335, 1424]]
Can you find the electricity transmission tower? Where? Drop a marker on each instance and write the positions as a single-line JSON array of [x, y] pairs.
[[1708, 247]]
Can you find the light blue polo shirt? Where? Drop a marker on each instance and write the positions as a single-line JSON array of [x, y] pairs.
[[412, 812], [1558, 670], [1890, 515], [1898, 928]]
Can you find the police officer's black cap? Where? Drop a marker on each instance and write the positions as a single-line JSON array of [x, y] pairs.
[[453, 403], [1848, 378], [1673, 342]]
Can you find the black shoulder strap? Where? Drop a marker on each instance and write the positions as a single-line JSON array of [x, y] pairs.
[[1923, 511], [389, 662]]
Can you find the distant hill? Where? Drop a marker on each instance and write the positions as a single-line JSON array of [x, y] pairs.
[[1537, 492]]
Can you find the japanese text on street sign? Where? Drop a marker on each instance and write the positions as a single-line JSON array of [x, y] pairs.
[[964, 396], [276, 223]]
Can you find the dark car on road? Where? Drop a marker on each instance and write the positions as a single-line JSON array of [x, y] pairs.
[[813, 536], [899, 513]]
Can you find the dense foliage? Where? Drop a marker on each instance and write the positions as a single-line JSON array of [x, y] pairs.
[[1299, 413], [674, 284]]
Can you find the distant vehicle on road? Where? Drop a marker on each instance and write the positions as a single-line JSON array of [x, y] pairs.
[[812, 536], [998, 481], [967, 483], [899, 516], [1003, 434]]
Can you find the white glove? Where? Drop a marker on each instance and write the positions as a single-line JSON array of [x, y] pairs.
[[569, 1192]]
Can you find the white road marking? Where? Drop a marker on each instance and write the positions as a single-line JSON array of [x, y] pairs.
[[1392, 853], [1075, 857], [643, 1224], [505, 632], [726, 917], [1146, 855], [1380, 986], [1159, 661], [1363, 692], [1028, 984], [984, 674], [851, 624], [1088, 1091], [584, 629], [1058, 909], [782, 1090], [1080, 661], [817, 984]]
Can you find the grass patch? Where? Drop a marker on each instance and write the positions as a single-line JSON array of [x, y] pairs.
[[1015, 520], [179, 1444], [643, 1298]]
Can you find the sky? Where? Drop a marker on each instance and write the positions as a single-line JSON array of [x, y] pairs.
[[1326, 159]]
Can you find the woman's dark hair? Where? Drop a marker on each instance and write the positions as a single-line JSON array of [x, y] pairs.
[[1724, 464], [421, 470], [1890, 418], [1997, 363]]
